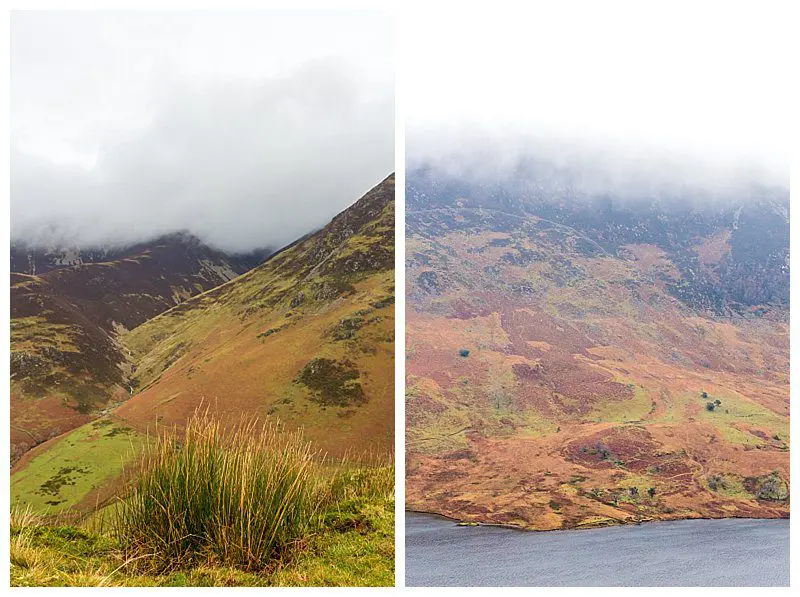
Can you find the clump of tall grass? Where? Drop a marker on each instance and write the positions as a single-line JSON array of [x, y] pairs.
[[241, 497], [23, 523], [23, 518]]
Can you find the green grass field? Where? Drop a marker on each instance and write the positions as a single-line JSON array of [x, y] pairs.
[[735, 409], [57, 480]]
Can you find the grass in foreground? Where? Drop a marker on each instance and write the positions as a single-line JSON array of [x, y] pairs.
[[248, 508], [242, 498]]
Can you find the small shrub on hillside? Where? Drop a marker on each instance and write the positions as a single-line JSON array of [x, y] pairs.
[[347, 327], [710, 406], [604, 452], [773, 488], [384, 302], [463, 352], [332, 383]]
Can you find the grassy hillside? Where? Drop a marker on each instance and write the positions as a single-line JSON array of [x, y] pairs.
[[135, 491], [308, 338], [67, 366], [68, 476], [246, 505], [554, 384]]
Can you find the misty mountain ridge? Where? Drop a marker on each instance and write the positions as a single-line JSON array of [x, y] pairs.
[[752, 270], [32, 257], [69, 307]]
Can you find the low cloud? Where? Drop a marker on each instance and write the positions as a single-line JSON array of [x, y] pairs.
[[627, 170], [619, 96], [241, 163]]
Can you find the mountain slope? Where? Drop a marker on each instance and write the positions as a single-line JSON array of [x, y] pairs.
[[307, 338], [569, 365], [66, 362]]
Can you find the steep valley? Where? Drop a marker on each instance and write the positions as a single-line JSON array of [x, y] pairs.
[[67, 364], [305, 338]]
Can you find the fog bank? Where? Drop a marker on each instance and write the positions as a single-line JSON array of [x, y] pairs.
[[245, 130]]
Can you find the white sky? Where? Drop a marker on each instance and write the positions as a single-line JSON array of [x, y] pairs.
[[703, 78], [77, 75], [251, 128], [247, 128]]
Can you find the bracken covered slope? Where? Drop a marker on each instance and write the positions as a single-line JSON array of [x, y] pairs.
[[569, 369], [67, 365], [306, 338]]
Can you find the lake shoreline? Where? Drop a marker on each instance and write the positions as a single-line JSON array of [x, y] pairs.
[[619, 523]]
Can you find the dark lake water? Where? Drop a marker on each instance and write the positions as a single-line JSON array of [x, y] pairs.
[[732, 552]]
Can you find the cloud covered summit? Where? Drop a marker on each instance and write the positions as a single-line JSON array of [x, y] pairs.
[[240, 161]]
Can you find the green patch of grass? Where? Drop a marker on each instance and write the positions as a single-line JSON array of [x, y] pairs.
[[635, 408], [60, 477], [356, 545], [638, 483], [33, 333], [769, 487], [737, 409], [534, 424], [674, 408], [727, 485], [359, 552], [436, 431]]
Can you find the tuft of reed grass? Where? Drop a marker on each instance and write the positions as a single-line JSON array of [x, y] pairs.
[[241, 497], [23, 523], [23, 518]]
